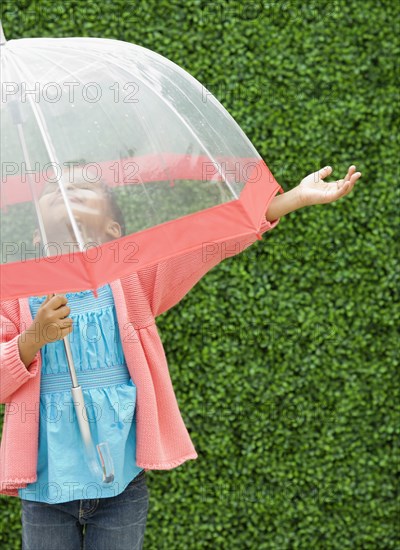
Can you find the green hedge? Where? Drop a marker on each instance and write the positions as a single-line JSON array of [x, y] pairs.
[[284, 358]]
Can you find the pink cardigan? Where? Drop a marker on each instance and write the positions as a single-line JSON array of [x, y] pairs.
[[162, 440]]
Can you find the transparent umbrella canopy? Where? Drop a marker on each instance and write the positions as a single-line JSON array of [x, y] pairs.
[[113, 159], [179, 165]]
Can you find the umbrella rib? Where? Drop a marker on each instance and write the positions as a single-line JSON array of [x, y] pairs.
[[45, 134], [210, 127], [176, 113]]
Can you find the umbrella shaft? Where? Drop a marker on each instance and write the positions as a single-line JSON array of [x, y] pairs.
[[79, 404], [70, 360]]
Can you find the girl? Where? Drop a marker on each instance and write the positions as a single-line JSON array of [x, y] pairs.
[[120, 361]]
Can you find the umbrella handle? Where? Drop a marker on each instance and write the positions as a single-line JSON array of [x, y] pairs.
[[107, 464], [103, 450]]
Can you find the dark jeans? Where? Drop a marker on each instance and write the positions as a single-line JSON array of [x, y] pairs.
[[115, 523]]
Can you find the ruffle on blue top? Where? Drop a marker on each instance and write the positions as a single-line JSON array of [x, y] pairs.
[[110, 405]]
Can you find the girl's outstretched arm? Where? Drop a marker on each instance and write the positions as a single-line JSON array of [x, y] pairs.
[[167, 282], [312, 190]]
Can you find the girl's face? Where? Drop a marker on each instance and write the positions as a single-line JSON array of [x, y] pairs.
[[89, 206]]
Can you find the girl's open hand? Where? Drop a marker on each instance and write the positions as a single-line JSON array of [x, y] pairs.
[[314, 190]]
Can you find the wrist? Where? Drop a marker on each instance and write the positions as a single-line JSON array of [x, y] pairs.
[[299, 197], [30, 338], [28, 347], [284, 203]]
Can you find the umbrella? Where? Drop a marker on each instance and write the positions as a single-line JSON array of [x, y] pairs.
[[125, 120]]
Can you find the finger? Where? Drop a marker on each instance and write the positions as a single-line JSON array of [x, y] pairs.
[[350, 172], [352, 181], [47, 300], [63, 311], [58, 300], [346, 185], [334, 194], [65, 331], [325, 172], [343, 186]]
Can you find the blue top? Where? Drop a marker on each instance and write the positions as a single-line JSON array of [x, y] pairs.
[[109, 393]]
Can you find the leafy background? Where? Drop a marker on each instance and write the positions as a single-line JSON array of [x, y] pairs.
[[284, 358]]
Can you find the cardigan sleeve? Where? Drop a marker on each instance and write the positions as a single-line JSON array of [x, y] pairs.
[[13, 372], [167, 282]]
